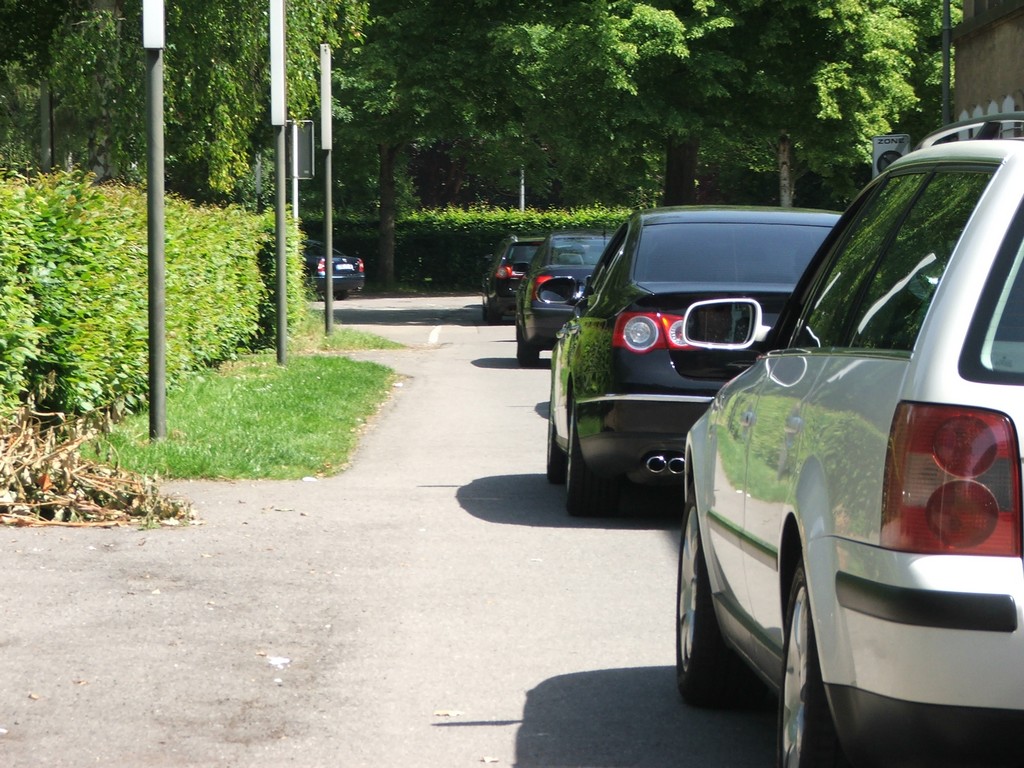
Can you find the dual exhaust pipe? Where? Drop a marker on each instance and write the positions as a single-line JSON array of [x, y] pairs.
[[656, 463]]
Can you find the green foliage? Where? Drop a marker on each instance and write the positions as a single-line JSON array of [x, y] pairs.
[[74, 323], [258, 419], [444, 249]]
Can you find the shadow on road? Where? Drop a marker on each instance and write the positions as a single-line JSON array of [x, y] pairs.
[[579, 719], [532, 501], [412, 315], [497, 363]]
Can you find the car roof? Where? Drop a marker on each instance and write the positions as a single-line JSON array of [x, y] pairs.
[[1004, 125], [991, 151], [580, 233], [735, 214]]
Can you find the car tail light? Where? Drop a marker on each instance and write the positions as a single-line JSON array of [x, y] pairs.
[[644, 331], [321, 267], [952, 482], [360, 267], [504, 272]]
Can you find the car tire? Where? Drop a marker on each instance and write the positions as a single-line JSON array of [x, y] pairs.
[[708, 673], [806, 732], [558, 461], [587, 494], [527, 355]]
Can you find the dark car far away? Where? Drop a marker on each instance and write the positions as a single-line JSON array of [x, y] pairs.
[[349, 273], [505, 269], [554, 281], [625, 384]]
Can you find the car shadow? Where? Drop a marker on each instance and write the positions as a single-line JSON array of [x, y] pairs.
[[530, 500], [634, 717], [413, 315], [496, 363]]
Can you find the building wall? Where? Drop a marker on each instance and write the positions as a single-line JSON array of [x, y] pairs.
[[989, 58]]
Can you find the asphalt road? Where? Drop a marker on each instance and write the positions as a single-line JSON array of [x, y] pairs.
[[432, 606]]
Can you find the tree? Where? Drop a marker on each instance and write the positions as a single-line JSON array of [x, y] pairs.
[[216, 80]]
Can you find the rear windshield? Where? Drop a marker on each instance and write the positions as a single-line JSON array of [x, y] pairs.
[[520, 252], [576, 251], [726, 252]]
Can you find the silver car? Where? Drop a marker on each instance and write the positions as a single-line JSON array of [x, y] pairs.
[[852, 522]]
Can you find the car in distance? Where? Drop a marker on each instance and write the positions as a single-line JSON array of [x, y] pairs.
[[625, 385], [349, 272], [544, 299], [505, 269], [852, 519]]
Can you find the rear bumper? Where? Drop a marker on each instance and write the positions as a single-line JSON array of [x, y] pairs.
[[920, 654], [878, 730], [618, 433], [340, 283]]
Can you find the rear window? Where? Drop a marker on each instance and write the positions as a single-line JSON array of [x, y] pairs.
[[520, 252], [726, 252], [576, 251]]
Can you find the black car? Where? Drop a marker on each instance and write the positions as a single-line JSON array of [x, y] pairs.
[[625, 384], [349, 272], [505, 269], [552, 284]]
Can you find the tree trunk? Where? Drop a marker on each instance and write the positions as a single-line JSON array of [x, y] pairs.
[[787, 185], [388, 207], [681, 171]]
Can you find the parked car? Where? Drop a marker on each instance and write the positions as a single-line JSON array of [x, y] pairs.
[[555, 278], [349, 273], [625, 387], [505, 269], [852, 518]]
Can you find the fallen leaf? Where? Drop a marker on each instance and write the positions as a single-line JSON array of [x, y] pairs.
[[447, 713]]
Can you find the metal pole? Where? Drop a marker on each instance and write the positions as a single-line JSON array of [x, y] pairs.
[[279, 119], [522, 189], [947, 39], [326, 139], [282, 259], [155, 234]]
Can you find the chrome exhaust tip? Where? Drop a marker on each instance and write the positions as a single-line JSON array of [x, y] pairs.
[[677, 465], [656, 463]]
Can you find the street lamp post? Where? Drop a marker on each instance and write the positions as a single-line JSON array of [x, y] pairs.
[[326, 142], [278, 118], [153, 42]]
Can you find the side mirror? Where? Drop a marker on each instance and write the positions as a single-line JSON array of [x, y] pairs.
[[724, 324], [559, 290]]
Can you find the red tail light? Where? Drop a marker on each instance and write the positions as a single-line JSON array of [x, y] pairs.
[[952, 482], [644, 331], [504, 272], [359, 265], [321, 267]]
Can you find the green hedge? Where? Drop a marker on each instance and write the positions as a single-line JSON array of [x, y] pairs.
[[445, 249], [74, 321]]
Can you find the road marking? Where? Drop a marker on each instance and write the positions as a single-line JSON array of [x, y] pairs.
[[435, 334]]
